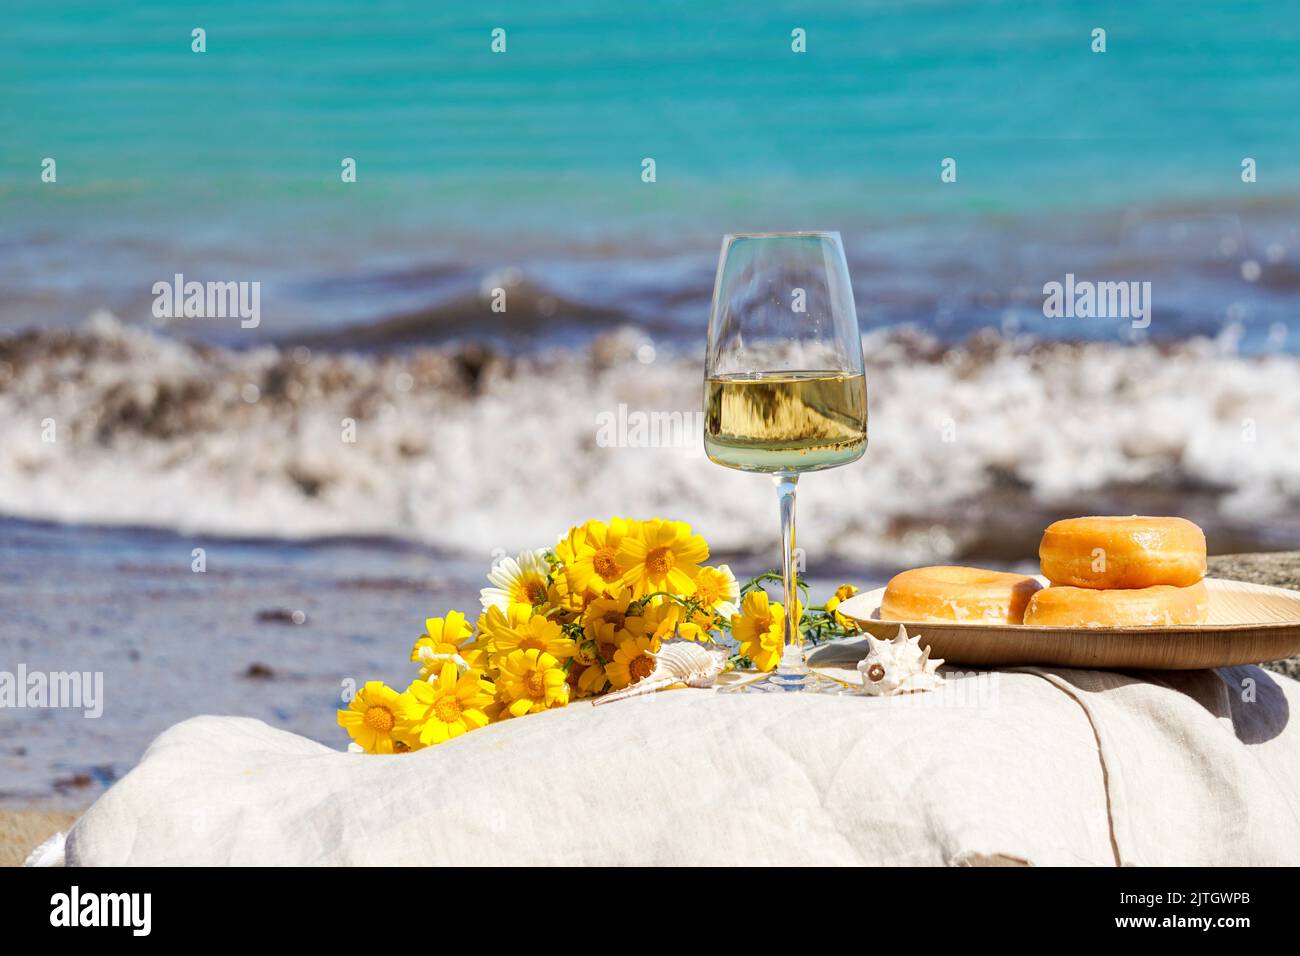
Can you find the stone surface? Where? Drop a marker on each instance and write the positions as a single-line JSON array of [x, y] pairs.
[[1280, 569]]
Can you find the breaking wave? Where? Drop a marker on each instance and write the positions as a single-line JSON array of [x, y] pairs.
[[973, 447]]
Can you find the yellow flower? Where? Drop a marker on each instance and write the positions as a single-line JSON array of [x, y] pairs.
[[532, 681], [633, 661], [594, 655], [589, 554], [574, 679], [717, 590], [606, 616], [523, 629], [669, 619], [496, 710], [373, 720], [448, 707], [562, 603], [592, 679], [661, 556], [760, 629], [607, 624], [522, 580], [842, 594], [663, 621], [700, 626], [497, 620], [446, 639]]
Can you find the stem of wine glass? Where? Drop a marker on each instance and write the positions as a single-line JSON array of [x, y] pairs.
[[792, 651]]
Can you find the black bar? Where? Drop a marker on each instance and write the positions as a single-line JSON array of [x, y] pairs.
[[342, 907]]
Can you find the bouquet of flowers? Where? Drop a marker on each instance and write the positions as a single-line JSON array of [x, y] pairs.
[[577, 620]]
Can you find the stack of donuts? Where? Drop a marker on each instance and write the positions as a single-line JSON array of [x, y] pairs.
[[1104, 572], [1121, 572]]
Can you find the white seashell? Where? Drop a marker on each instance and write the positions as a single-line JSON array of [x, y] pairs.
[[679, 661], [898, 666]]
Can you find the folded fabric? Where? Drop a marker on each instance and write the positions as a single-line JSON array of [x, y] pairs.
[[1030, 766]]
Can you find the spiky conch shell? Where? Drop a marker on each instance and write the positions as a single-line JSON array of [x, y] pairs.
[[679, 661], [898, 666]]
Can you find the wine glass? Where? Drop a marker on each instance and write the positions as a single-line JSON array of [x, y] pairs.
[[784, 387]]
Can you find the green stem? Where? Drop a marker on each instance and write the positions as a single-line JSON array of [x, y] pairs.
[[684, 602]]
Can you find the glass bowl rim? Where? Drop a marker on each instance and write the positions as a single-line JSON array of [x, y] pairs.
[[797, 234]]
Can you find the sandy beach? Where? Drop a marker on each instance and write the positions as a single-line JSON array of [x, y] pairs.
[[21, 831]]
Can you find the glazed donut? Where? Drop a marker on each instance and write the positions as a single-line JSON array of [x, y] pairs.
[[1117, 552], [964, 595], [1160, 605]]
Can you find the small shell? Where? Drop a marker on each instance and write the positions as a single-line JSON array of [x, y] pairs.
[[898, 666], [679, 661]]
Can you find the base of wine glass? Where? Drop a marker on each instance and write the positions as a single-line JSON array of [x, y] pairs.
[[792, 676], [778, 682]]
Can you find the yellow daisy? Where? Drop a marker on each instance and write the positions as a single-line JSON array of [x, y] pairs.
[[593, 654], [373, 720], [450, 638], [589, 553], [574, 679], [607, 624], [604, 617], [563, 604], [447, 707], [522, 580], [633, 661], [522, 629], [760, 629], [718, 590], [592, 679], [700, 626], [842, 594], [496, 709], [661, 556], [532, 681], [666, 620], [498, 620]]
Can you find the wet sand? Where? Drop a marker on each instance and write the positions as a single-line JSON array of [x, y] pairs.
[[21, 831]]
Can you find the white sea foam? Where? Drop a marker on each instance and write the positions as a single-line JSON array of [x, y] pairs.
[[477, 453]]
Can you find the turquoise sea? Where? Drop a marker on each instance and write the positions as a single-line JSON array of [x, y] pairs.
[[226, 164]]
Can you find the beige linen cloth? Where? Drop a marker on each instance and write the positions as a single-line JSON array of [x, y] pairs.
[[1027, 766]]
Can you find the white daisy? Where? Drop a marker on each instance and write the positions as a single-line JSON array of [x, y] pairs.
[[521, 580]]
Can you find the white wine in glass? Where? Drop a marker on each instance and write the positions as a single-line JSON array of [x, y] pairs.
[[784, 387], [793, 421]]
